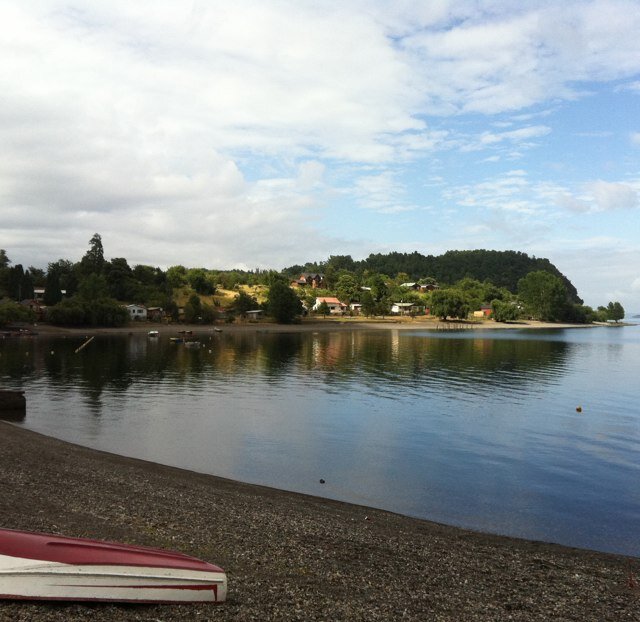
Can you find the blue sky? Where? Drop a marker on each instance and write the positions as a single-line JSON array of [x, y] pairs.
[[268, 133]]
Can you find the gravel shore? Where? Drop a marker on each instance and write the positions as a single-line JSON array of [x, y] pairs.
[[295, 557]]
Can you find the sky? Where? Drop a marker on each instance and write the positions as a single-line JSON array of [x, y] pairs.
[[262, 134]]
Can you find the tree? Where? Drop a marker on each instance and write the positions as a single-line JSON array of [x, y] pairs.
[[282, 303], [201, 281], [347, 288], [449, 303], [122, 285], [177, 276], [244, 302], [93, 287], [504, 311], [52, 289], [4, 273], [368, 303], [14, 312], [615, 311], [66, 274], [93, 260], [323, 308], [543, 294], [193, 309]]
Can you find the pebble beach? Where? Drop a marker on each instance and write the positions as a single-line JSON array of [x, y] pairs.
[[295, 557]]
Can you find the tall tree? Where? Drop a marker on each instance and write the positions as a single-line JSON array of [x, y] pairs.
[[93, 260], [52, 289], [282, 303]]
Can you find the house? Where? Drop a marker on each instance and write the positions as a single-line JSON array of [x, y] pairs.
[[254, 314], [309, 279], [356, 308], [335, 306], [38, 293], [485, 311], [155, 314], [406, 308], [413, 286], [137, 312]]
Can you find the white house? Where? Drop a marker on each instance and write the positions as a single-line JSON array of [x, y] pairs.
[[335, 306], [137, 312], [406, 308]]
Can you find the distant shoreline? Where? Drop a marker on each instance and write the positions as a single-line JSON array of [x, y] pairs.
[[314, 325]]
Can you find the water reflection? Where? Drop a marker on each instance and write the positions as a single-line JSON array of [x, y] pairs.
[[471, 429]]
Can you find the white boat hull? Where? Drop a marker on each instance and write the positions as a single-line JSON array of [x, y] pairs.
[[38, 579]]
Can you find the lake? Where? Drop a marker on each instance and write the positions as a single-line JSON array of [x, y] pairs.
[[527, 433]]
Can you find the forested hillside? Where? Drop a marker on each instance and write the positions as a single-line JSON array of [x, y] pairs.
[[502, 268]]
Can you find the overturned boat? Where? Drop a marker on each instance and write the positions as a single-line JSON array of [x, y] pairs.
[[37, 566]]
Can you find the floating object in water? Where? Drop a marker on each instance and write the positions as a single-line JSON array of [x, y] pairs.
[[12, 400], [85, 344], [578, 409], [37, 566], [322, 481]]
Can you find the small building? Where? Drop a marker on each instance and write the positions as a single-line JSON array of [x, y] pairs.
[[137, 312], [485, 311], [155, 314], [335, 306], [255, 314], [355, 308], [38, 293], [406, 308]]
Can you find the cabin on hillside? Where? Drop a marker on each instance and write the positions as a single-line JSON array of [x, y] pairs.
[[314, 280]]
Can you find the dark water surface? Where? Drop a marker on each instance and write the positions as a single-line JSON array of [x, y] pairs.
[[478, 429]]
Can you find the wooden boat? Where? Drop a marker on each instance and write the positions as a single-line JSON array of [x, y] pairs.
[[37, 566]]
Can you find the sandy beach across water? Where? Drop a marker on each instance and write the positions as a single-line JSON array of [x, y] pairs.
[[295, 557], [315, 325]]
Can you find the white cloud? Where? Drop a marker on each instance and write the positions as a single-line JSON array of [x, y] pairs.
[[522, 137], [612, 195], [381, 192], [216, 132], [635, 138]]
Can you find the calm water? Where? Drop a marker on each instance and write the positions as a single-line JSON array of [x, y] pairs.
[[473, 429]]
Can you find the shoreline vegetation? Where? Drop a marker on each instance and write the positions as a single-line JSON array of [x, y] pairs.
[[315, 325], [291, 556]]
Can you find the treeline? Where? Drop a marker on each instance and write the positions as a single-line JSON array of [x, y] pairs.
[[92, 291], [501, 268]]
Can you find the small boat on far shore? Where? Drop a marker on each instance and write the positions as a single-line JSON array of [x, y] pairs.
[[154, 333], [37, 566]]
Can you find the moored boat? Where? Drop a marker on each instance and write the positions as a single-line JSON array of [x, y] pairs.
[[37, 566]]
